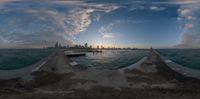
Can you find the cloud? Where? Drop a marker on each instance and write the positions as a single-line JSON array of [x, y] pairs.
[[78, 19], [188, 26], [184, 2], [191, 18], [97, 17], [177, 2], [31, 29], [142, 7], [105, 32], [155, 8], [47, 23], [136, 7], [188, 17], [190, 40], [68, 2], [187, 13], [179, 19]]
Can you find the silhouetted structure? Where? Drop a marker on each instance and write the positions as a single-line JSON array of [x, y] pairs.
[[102, 47], [151, 49], [86, 45], [56, 45]]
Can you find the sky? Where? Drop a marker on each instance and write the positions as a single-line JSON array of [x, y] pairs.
[[119, 23]]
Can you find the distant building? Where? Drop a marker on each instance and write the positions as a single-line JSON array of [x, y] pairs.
[[86, 45], [56, 45], [102, 47]]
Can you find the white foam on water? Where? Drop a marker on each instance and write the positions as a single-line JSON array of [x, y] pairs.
[[168, 61], [73, 63], [132, 66]]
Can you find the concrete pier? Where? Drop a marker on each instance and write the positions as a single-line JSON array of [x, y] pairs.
[[152, 79]]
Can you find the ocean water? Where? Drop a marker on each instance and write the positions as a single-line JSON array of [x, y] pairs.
[[18, 58], [185, 57], [111, 59]]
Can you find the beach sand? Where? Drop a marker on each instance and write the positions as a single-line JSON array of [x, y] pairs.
[[57, 79]]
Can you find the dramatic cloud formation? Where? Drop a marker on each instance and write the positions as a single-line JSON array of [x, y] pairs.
[[54, 25], [34, 23], [106, 30], [190, 40], [188, 16], [186, 13]]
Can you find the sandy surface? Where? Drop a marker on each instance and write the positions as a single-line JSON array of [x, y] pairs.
[[152, 79]]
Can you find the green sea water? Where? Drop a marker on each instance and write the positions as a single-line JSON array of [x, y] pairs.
[[18, 58], [186, 57]]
